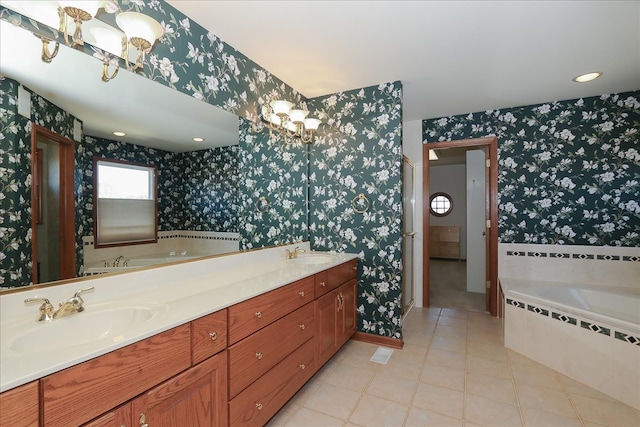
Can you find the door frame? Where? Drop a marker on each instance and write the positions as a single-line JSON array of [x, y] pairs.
[[67, 246], [490, 144]]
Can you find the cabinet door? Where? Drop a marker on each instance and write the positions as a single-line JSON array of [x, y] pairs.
[[19, 406], [119, 417], [348, 314], [197, 397], [326, 309]]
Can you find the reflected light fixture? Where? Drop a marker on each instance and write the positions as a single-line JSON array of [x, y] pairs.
[[197, 139], [433, 155], [135, 29], [583, 78], [119, 133], [281, 117]]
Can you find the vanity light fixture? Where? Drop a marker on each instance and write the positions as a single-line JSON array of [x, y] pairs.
[[135, 29], [119, 133], [198, 139], [583, 78], [280, 116]]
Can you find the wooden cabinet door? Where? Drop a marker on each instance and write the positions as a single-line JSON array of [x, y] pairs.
[[119, 417], [19, 406], [326, 309], [196, 397], [347, 316]]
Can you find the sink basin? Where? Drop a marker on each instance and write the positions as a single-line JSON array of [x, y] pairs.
[[313, 259], [93, 324]]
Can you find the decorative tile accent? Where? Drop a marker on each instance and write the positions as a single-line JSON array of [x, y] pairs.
[[582, 256], [559, 255], [516, 253], [538, 310], [595, 328], [515, 303], [537, 254], [631, 258], [608, 257], [628, 338], [564, 318]]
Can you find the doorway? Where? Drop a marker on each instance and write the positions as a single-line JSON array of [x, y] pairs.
[[485, 223], [52, 206]]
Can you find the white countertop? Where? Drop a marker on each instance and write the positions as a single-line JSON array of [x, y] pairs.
[[181, 292]]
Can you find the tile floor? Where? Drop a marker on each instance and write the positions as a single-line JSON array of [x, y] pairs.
[[448, 286], [453, 371]]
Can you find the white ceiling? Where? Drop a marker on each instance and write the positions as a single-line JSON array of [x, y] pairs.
[[452, 57]]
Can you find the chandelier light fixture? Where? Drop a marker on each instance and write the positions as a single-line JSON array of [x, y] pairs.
[[281, 117], [135, 30]]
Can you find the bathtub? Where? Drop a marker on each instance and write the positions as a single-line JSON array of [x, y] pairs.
[[134, 263], [590, 333]]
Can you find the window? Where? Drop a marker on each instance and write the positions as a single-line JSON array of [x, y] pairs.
[[440, 204], [125, 209]]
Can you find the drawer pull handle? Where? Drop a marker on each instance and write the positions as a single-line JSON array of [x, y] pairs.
[[302, 326], [259, 406], [213, 335], [259, 355], [143, 421], [323, 284], [258, 314], [302, 366], [301, 293], [355, 267]]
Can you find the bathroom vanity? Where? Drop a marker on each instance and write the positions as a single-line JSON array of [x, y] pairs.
[[235, 365]]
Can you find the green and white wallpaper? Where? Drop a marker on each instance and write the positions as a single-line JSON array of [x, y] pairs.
[[569, 171]]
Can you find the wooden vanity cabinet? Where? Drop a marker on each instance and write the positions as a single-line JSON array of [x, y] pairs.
[[19, 407], [121, 416], [335, 320]]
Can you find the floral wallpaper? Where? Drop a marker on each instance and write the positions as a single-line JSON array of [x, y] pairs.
[[273, 190], [359, 151], [569, 171]]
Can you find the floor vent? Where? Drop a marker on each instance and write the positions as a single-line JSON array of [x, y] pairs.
[[382, 355]]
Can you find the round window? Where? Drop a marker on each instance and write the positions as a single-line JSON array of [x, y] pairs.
[[440, 204]]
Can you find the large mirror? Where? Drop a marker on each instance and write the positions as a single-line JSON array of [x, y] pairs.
[[153, 116]]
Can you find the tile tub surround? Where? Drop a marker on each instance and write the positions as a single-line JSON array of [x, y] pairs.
[[586, 347], [452, 371], [595, 265], [188, 290]]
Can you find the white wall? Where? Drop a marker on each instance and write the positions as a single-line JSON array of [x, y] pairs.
[[451, 179], [412, 148]]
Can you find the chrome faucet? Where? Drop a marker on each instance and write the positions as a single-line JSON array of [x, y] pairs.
[[294, 253], [116, 263], [75, 304]]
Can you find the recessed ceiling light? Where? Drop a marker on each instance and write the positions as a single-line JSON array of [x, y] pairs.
[[119, 133], [198, 139], [587, 77]]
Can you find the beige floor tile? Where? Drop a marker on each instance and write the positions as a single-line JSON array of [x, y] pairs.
[[606, 412], [284, 415], [391, 387], [493, 388], [410, 352], [305, 417], [489, 412], [495, 368], [516, 358], [454, 322], [536, 397], [438, 399], [417, 338], [458, 345], [402, 368], [351, 377], [572, 386], [307, 390], [443, 376], [334, 401], [372, 411], [482, 336], [536, 376], [450, 331], [453, 312], [421, 418], [449, 359], [488, 350], [540, 418]]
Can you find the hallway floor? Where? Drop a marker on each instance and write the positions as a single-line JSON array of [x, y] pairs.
[[448, 286], [453, 371]]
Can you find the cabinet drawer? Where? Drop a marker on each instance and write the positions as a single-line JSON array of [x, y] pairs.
[[80, 393], [260, 401], [208, 336], [247, 317], [256, 354], [19, 406], [330, 279]]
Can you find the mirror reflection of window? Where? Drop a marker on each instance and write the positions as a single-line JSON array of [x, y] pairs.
[[126, 203], [440, 204]]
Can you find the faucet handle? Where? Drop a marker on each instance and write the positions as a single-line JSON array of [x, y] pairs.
[[46, 309], [82, 291]]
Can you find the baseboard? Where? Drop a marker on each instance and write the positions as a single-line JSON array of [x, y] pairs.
[[377, 339]]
